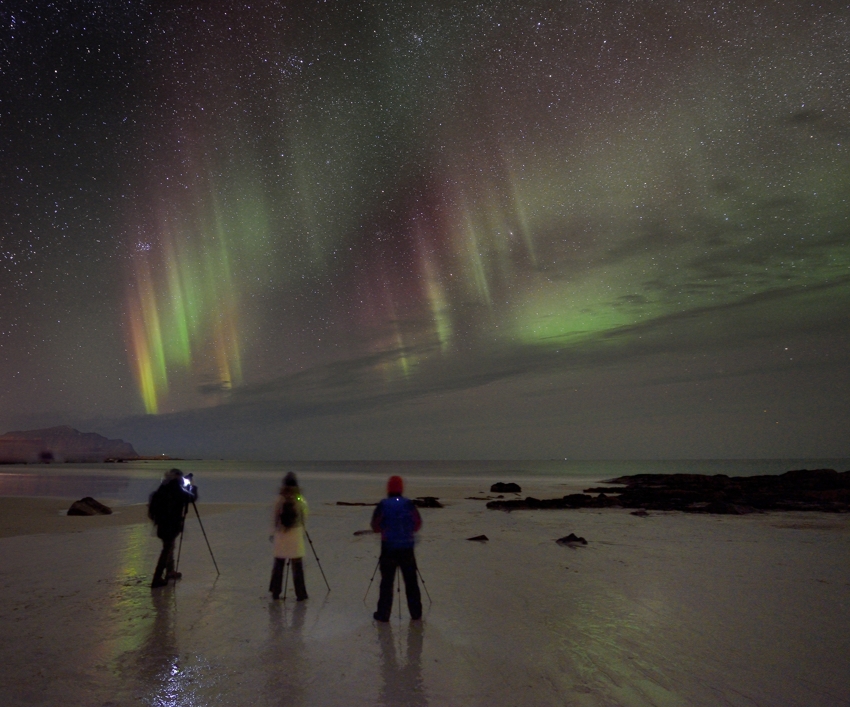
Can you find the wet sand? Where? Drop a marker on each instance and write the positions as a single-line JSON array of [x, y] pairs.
[[671, 609], [33, 516]]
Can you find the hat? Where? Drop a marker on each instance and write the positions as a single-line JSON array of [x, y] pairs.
[[395, 486], [290, 480]]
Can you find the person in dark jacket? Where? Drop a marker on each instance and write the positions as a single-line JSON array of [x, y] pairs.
[[167, 509], [397, 519]]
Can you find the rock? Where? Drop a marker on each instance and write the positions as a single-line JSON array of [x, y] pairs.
[[354, 503], [88, 507], [427, 502], [364, 532], [571, 539], [479, 539], [642, 513], [502, 487], [577, 500]]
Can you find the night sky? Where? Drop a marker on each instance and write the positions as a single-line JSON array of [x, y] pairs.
[[458, 229]]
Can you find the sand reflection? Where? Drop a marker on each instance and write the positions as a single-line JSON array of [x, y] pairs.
[[402, 679], [157, 662], [165, 680], [283, 660]]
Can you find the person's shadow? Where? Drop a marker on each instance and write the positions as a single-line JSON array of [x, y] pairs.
[[403, 685], [283, 658]]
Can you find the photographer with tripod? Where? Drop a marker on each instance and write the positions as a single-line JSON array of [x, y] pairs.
[[167, 508], [290, 512], [397, 519]]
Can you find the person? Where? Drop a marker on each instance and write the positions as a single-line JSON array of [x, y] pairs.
[[290, 513], [167, 508], [397, 519]]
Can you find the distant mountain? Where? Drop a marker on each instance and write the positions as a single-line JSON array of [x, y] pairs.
[[61, 444]]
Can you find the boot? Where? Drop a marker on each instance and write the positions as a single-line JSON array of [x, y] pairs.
[[159, 576]]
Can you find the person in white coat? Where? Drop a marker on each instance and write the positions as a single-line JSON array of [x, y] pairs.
[[290, 513]]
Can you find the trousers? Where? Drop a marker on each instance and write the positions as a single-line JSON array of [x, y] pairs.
[[276, 584], [165, 563], [403, 559]]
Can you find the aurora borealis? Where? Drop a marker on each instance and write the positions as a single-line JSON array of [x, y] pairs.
[[428, 230]]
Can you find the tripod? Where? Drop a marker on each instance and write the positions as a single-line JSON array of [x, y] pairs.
[[317, 559], [180, 547], [398, 570], [296, 567]]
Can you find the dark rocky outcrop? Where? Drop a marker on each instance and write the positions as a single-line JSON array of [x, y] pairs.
[[61, 444], [571, 539], [88, 507], [502, 487], [798, 490], [573, 500], [479, 539], [427, 502]]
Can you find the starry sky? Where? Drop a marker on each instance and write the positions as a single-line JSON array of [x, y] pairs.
[[491, 229]]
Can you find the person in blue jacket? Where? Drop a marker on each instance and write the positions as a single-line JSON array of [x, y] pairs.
[[397, 519]]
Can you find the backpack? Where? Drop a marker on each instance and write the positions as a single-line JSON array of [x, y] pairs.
[[288, 514], [156, 506]]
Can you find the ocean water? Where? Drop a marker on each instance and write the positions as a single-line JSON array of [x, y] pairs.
[[257, 482]]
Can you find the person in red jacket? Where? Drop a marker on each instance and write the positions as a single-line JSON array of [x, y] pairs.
[[397, 519]]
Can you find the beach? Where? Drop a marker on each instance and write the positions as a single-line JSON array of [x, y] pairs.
[[668, 609]]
